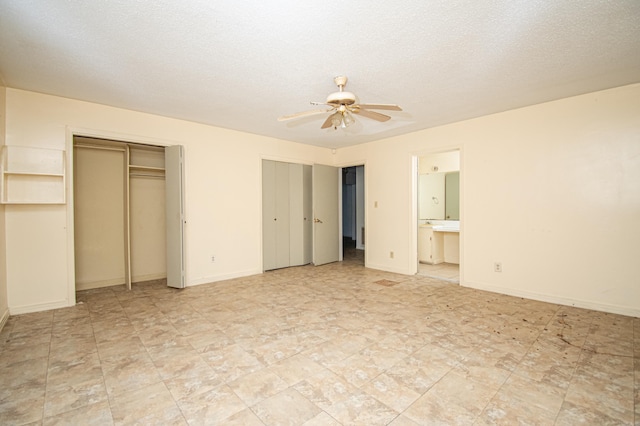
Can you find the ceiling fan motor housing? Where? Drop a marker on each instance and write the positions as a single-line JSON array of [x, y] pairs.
[[341, 98]]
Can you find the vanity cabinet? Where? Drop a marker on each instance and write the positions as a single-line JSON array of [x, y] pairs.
[[430, 245]]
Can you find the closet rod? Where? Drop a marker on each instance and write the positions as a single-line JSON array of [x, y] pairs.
[[104, 148]]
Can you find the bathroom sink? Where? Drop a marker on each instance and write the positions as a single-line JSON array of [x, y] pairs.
[[446, 228]]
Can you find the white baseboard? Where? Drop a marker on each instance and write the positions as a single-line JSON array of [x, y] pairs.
[[388, 269], [27, 309], [148, 277], [99, 284], [222, 277], [4, 318], [119, 281], [585, 304]]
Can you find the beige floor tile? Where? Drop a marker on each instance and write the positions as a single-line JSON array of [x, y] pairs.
[[361, 408], [23, 404], [245, 417], [320, 345], [402, 420], [129, 373], [152, 404], [211, 406], [604, 384], [391, 393], [286, 407], [69, 393], [295, 369], [325, 389], [257, 386], [96, 414], [523, 401], [231, 362], [571, 414]]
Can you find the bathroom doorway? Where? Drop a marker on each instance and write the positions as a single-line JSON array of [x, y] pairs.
[[439, 215]]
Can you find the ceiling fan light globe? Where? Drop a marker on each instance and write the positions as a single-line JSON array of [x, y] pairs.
[[348, 119]]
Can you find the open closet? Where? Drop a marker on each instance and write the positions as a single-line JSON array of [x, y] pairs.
[[121, 213]]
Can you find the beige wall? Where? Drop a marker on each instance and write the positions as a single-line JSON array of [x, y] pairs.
[[223, 194], [552, 191], [4, 304]]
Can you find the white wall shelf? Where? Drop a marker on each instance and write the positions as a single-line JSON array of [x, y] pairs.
[[32, 175]]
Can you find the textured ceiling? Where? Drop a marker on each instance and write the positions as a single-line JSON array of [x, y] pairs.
[[241, 64]]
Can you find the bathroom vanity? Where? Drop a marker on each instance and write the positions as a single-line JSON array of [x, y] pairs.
[[439, 242]]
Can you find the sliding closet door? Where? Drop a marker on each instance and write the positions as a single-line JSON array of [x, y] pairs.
[[300, 212], [296, 215], [174, 178], [99, 188]]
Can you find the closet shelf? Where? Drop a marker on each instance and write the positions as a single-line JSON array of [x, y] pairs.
[[134, 167], [34, 174]]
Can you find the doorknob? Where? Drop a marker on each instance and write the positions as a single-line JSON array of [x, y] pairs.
[[316, 220]]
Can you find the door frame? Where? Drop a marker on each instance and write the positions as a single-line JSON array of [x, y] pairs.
[[415, 172], [341, 166], [71, 132]]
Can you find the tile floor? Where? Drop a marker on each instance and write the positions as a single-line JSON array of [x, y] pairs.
[[444, 271], [330, 345]]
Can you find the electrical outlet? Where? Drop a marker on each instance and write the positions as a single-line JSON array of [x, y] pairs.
[[213, 259], [391, 254], [497, 267]]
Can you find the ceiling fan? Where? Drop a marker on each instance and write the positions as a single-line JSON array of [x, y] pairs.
[[342, 105]]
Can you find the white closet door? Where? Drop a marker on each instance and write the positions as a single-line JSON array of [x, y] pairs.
[[283, 215], [174, 179], [326, 246], [296, 215], [268, 215], [307, 206]]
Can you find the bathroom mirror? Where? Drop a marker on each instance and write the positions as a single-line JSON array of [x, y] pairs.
[[439, 196]]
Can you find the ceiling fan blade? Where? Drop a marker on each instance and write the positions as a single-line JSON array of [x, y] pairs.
[[390, 107], [329, 121], [303, 114], [370, 114]]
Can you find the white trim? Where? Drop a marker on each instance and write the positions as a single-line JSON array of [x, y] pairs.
[[72, 131], [119, 137], [341, 166], [223, 277], [99, 284], [4, 318], [27, 309], [386, 268], [415, 171], [585, 304]]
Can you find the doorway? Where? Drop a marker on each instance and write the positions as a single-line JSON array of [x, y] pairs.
[[353, 229], [438, 215]]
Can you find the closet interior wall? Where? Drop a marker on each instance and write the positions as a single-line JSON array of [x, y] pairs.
[[119, 213]]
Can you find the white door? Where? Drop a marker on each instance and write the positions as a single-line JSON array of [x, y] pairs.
[[307, 233], [326, 241], [276, 223], [174, 180], [268, 215]]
